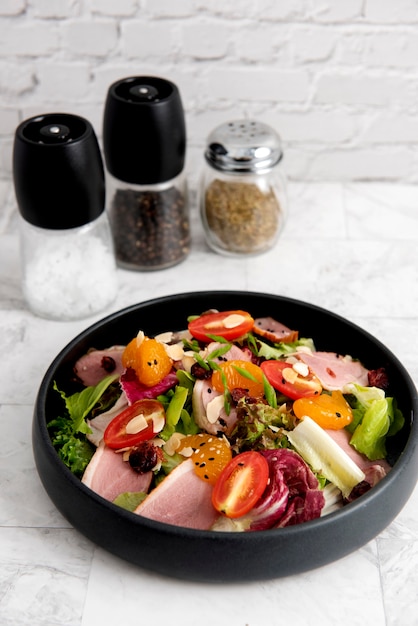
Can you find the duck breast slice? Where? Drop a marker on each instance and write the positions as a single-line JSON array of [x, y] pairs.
[[181, 499], [109, 475]]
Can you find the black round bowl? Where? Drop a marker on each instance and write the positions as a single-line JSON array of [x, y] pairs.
[[221, 556]]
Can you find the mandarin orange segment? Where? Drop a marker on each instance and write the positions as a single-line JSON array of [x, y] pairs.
[[210, 455], [328, 411], [149, 359], [239, 375]]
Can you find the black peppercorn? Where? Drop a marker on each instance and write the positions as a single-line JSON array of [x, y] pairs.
[[150, 228]]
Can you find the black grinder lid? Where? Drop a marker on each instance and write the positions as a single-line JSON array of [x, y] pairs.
[[58, 171], [144, 133]]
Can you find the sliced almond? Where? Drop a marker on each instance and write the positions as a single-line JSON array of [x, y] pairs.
[[231, 321], [214, 408], [304, 349], [164, 337], [301, 368], [211, 325], [173, 443], [289, 375], [136, 424], [187, 452], [175, 351], [140, 338], [158, 421], [188, 362]]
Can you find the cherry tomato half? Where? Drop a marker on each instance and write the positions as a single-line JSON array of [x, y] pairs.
[[139, 422], [227, 324], [328, 411], [286, 379], [241, 484]]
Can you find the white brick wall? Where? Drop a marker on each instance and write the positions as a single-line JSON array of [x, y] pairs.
[[337, 79]]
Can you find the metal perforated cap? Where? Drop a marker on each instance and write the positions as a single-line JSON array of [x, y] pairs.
[[243, 146]]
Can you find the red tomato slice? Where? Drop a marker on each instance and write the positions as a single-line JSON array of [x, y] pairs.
[[227, 324], [291, 383], [241, 484], [139, 422]]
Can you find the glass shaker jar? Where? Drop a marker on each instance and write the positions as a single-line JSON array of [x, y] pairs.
[[68, 263], [243, 188], [144, 141]]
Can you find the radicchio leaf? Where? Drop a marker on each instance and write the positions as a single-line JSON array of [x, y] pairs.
[[134, 390]]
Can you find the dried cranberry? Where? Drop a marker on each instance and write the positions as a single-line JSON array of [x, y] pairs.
[[378, 378], [144, 457], [108, 364], [200, 372]]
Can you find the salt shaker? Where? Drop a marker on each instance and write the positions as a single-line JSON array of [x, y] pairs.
[[144, 139], [243, 188], [68, 262]]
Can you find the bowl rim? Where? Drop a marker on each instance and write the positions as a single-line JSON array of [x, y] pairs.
[[163, 527]]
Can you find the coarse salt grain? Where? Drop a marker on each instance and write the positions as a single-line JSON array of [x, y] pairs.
[[70, 277]]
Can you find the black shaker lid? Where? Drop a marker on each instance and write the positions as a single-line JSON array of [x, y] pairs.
[[58, 171], [144, 134]]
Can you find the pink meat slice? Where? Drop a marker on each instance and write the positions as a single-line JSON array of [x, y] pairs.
[[109, 475], [203, 394], [181, 499], [275, 331], [99, 424], [95, 365], [234, 353], [333, 370]]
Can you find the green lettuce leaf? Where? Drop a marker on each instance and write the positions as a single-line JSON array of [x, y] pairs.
[[282, 349], [260, 425], [80, 404], [130, 499], [375, 418], [68, 430]]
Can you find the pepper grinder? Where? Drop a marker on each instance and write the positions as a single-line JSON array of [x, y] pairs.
[[68, 263], [144, 139]]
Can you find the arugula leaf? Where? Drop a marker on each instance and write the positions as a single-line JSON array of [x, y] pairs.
[[80, 404], [245, 373], [217, 338], [201, 362], [269, 393], [219, 351], [252, 343], [68, 431], [192, 345]]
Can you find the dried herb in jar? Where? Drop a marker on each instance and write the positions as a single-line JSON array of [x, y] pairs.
[[243, 217], [150, 228]]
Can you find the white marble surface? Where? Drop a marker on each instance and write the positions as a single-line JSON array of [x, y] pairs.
[[350, 248]]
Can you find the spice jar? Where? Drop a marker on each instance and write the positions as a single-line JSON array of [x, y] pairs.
[[144, 140], [68, 264], [243, 189]]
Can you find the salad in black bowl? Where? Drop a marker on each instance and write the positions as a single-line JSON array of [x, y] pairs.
[[227, 435]]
